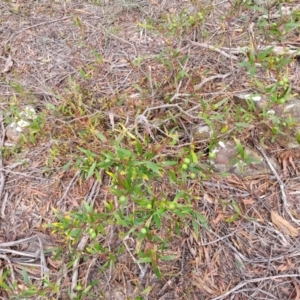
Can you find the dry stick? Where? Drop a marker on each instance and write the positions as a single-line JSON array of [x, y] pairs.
[[21, 253], [224, 186], [44, 269], [91, 264], [13, 166], [80, 247], [199, 85], [143, 118], [10, 266], [110, 34], [279, 50], [219, 239], [36, 25], [143, 271], [210, 47], [167, 284], [240, 285], [281, 186], [170, 105], [68, 188], [8, 170], [177, 94], [2, 176], [26, 240], [4, 202], [84, 240]]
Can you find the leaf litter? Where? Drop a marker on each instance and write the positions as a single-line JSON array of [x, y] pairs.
[[242, 258]]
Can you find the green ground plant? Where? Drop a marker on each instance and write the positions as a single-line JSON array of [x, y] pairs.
[[150, 175]]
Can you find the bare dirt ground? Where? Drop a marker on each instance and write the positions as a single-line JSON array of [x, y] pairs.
[[99, 55]]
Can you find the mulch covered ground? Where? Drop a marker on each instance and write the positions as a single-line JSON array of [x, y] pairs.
[[60, 51]]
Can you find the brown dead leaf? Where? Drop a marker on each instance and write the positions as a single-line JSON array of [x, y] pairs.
[[55, 263], [217, 219], [282, 267], [8, 64], [287, 266], [248, 201], [283, 224]]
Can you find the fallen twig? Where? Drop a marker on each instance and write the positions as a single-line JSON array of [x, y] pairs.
[[240, 285], [84, 240], [35, 25], [281, 186], [12, 274], [143, 271], [3, 206], [219, 76], [68, 188], [2, 176], [214, 48]]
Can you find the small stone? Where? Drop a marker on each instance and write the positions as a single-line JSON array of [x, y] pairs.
[[15, 129], [227, 160], [202, 132], [259, 101], [12, 133]]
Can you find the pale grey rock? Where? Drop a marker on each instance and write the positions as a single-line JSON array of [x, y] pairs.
[[16, 128], [201, 132], [259, 101], [228, 160], [290, 111]]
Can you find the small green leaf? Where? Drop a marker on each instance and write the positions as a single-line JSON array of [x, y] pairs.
[[168, 257], [146, 26], [100, 136], [236, 208], [67, 166], [157, 220], [91, 170], [194, 157], [139, 147], [178, 196], [153, 166], [169, 163], [196, 229], [224, 129], [147, 290], [265, 53], [50, 106], [28, 293], [298, 137], [220, 103], [26, 277], [119, 220], [124, 153], [86, 289], [258, 8], [232, 219], [243, 125], [239, 147], [145, 260], [157, 272], [88, 207]]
